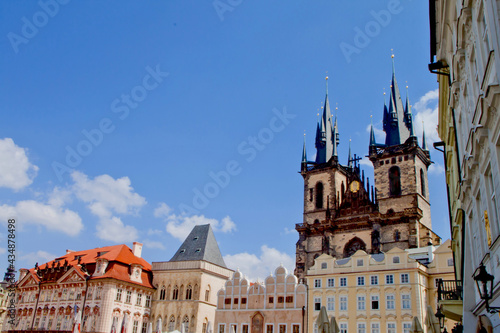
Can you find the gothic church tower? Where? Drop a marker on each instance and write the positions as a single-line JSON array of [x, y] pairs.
[[343, 213]]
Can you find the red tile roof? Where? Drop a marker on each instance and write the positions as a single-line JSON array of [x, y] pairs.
[[120, 257]]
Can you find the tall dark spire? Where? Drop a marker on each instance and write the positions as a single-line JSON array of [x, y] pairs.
[[394, 119], [372, 134], [324, 133]]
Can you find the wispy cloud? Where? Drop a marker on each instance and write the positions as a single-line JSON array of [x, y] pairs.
[[261, 265], [180, 226]]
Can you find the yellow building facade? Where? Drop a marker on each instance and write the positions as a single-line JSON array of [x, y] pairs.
[[378, 292]]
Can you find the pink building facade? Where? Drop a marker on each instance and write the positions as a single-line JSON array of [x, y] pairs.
[[276, 306]]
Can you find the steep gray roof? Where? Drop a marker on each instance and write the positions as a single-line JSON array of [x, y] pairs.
[[200, 245]]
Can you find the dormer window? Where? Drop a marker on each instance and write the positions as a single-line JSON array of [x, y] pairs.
[[182, 251], [195, 239], [197, 250]]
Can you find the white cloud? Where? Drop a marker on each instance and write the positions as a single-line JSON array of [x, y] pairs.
[[366, 162], [16, 171], [51, 217], [259, 267], [163, 210], [436, 169], [59, 197], [154, 232], [105, 197], [108, 193], [180, 226], [114, 230], [154, 244], [40, 257], [289, 231], [426, 111]]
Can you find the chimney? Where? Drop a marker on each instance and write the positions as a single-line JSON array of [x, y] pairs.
[[69, 251], [137, 249]]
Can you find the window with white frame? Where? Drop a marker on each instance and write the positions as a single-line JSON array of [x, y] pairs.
[[317, 283], [361, 280], [389, 279], [331, 282], [317, 303], [406, 327], [395, 260], [295, 328], [375, 304], [118, 295], [129, 297], [269, 328], [391, 327], [359, 262], [361, 328], [222, 328], [233, 328], [343, 327], [315, 328], [361, 302], [138, 301], [324, 265], [282, 328], [375, 328], [405, 278], [374, 280], [135, 326], [343, 282], [330, 302], [405, 301], [450, 262], [343, 303], [389, 301]]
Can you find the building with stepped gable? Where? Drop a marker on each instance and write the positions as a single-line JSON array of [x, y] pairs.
[[276, 305]]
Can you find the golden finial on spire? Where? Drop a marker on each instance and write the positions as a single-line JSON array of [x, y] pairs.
[[392, 53]]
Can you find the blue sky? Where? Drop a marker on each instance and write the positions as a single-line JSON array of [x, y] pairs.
[[117, 114]]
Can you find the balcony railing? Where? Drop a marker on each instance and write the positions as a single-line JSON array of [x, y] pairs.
[[449, 290]]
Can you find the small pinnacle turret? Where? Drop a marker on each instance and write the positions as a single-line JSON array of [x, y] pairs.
[[424, 143]]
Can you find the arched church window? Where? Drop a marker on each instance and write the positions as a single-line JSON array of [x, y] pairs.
[[319, 195], [175, 294], [395, 181], [171, 324], [162, 293], [354, 245], [185, 323], [422, 182], [189, 292]]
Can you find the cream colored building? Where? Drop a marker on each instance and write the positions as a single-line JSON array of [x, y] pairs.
[[378, 292], [187, 285], [465, 45], [276, 306]]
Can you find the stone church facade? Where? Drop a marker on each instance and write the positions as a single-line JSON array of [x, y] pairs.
[[343, 213]]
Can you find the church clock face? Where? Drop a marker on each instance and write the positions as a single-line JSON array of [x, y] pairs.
[[355, 186]]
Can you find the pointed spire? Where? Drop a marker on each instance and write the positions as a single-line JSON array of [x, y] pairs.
[[394, 120], [324, 142], [304, 154], [349, 158], [424, 143], [372, 133]]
